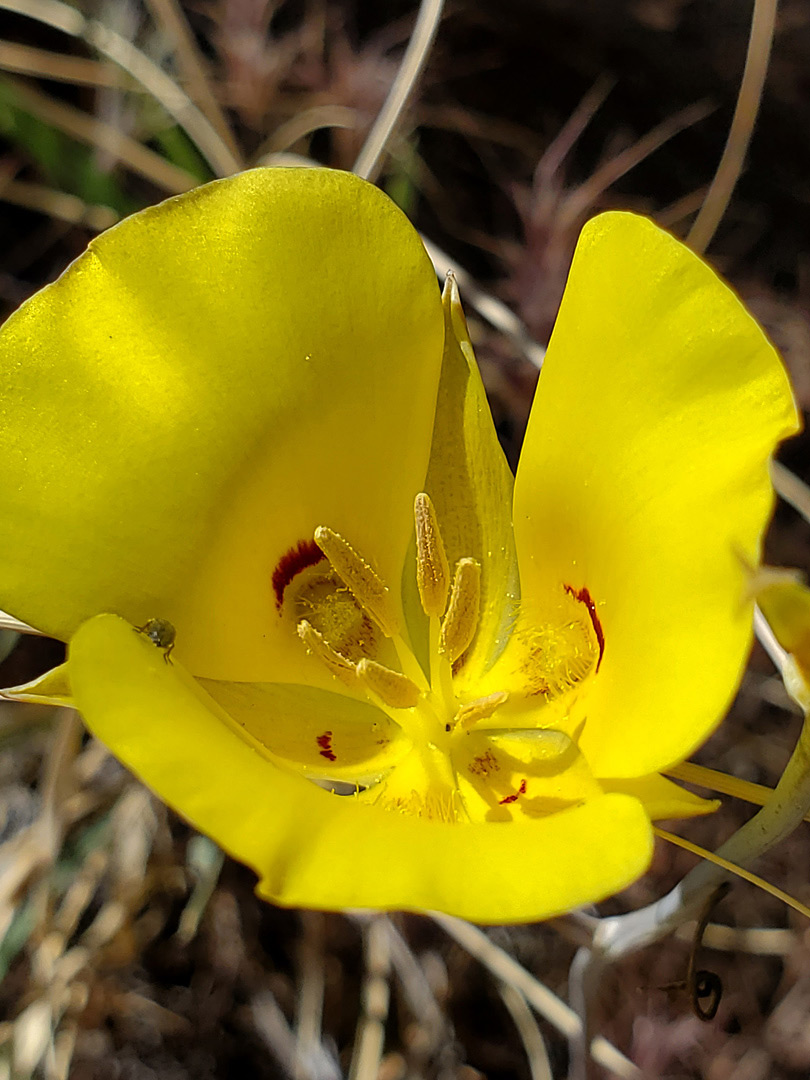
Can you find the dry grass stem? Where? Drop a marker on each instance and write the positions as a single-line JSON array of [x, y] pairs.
[[154, 81], [27, 60], [755, 940], [270, 1024], [103, 136], [530, 1034], [170, 16], [576, 204], [416, 988], [734, 868], [742, 125], [62, 207], [304, 123], [34, 849], [566, 138], [682, 208], [505, 968], [370, 1039], [311, 985], [369, 160]]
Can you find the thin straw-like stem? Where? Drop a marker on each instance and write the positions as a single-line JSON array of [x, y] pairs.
[[98, 133], [58, 205], [622, 934], [370, 1039], [530, 1034], [542, 1000], [586, 195], [742, 126], [123, 53], [26, 60], [370, 157], [171, 17], [738, 871]]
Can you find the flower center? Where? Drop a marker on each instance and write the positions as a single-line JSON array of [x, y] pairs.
[[462, 764]]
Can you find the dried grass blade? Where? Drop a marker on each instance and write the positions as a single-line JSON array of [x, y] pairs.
[[26, 60], [505, 968], [734, 868], [171, 17], [154, 81], [369, 160], [742, 125], [63, 207], [98, 133]]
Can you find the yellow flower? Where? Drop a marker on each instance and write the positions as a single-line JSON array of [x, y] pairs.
[[232, 412]]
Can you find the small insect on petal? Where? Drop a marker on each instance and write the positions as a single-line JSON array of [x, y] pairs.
[[161, 633]]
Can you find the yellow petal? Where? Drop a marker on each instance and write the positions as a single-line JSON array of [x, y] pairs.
[[321, 733], [506, 775], [661, 798], [315, 849], [212, 380], [470, 484], [52, 688], [785, 603], [644, 479]]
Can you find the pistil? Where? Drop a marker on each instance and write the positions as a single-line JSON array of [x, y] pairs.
[[423, 704]]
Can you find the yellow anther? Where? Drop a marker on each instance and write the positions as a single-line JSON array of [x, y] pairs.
[[432, 570], [320, 647], [461, 621], [365, 586], [469, 715], [391, 687]]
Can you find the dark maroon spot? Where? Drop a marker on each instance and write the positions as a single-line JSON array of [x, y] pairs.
[[584, 597], [305, 553], [325, 743], [514, 798]]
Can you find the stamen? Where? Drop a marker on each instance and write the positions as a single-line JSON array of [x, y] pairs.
[[469, 715], [461, 621], [432, 569], [364, 584], [393, 688], [320, 647]]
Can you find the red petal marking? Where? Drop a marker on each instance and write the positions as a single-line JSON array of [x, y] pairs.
[[514, 798], [305, 553], [325, 743], [584, 597]]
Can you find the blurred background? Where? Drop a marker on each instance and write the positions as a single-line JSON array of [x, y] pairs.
[[129, 947]]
